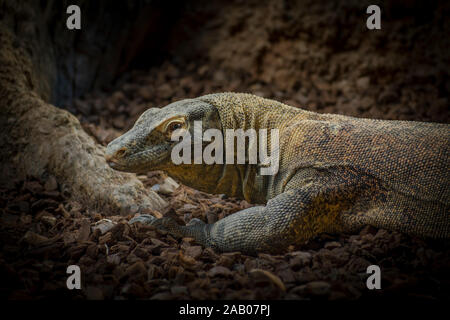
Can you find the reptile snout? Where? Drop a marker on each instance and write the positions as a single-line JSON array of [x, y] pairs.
[[112, 155]]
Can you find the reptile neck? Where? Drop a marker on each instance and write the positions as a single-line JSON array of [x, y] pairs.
[[207, 178], [237, 111], [245, 111]]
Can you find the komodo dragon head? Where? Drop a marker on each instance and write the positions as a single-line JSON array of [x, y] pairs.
[[148, 145]]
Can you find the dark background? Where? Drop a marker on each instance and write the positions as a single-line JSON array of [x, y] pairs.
[[129, 56]]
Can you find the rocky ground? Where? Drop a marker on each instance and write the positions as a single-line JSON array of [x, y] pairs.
[[301, 57], [42, 233]]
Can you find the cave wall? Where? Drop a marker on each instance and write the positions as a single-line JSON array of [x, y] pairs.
[[314, 51], [72, 62], [320, 54]]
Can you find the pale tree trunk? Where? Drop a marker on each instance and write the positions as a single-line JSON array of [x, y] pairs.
[[39, 139]]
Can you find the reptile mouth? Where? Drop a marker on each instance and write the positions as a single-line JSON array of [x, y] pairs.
[[131, 165], [114, 164]]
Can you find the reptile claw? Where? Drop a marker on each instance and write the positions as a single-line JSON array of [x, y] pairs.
[[194, 222], [144, 219], [163, 224]]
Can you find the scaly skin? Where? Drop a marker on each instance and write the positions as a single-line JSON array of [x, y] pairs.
[[336, 173]]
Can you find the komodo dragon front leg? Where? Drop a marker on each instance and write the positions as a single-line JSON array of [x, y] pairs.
[[291, 217], [251, 230]]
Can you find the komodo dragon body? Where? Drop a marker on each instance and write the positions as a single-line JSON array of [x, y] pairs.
[[336, 173]]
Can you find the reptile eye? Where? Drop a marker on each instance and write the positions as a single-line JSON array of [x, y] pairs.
[[174, 126]]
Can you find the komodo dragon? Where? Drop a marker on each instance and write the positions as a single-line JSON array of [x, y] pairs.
[[336, 173]]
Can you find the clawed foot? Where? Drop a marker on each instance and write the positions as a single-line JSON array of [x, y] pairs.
[[166, 221], [165, 224], [195, 228], [144, 219], [195, 222]]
